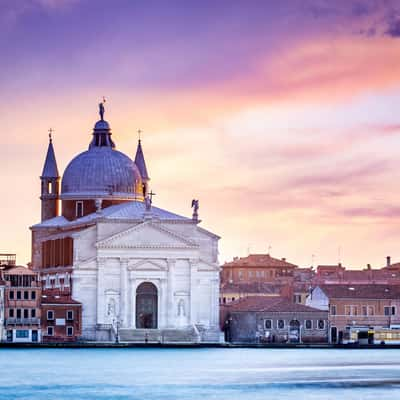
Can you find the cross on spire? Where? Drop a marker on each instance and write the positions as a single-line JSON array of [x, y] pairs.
[[151, 194], [51, 130], [139, 131]]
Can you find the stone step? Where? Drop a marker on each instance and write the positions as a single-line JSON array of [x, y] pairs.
[[184, 335]]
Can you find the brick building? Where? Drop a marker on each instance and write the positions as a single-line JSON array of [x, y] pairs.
[[358, 309], [22, 293], [61, 319], [274, 320]]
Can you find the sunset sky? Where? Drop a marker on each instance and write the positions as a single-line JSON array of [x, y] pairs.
[[282, 117]]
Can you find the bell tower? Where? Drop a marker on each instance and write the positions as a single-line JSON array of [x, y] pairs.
[[50, 184], [141, 164]]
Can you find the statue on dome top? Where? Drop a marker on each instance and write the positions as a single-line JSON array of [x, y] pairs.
[[101, 108]]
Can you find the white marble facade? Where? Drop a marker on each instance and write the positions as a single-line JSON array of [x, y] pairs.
[[111, 260]]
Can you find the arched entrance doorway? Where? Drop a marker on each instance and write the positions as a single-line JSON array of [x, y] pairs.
[[146, 306], [294, 331]]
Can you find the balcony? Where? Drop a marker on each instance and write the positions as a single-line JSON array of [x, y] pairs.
[[22, 321]]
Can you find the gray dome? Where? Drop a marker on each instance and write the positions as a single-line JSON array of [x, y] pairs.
[[101, 172], [102, 125]]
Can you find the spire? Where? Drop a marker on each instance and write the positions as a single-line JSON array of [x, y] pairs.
[[140, 162], [50, 169]]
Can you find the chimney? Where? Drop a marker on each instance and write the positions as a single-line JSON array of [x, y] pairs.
[[283, 259], [388, 262], [368, 266]]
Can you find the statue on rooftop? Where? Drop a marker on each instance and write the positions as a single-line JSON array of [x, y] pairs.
[[101, 109]]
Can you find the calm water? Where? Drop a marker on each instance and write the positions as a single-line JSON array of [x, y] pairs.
[[231, 374]]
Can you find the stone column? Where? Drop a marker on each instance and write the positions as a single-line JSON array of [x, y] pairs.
[[163, 312], [100, 290], [170, 293], [132, 301], [123, 298], [193, 264]]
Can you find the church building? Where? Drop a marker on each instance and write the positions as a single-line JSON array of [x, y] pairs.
[[135, 272]]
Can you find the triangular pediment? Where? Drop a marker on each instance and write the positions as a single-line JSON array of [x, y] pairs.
[[146, 235], [147, 265]]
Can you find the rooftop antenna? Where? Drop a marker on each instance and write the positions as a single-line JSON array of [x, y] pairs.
[[312, 260]]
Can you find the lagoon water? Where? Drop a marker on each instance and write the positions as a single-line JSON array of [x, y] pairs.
[[231, 374]]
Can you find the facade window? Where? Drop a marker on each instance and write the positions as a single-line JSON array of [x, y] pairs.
[[33, 313], [281, 324], [297, 298], [390, 310], [364, 310], [347, 310], [321, 324], [11, 313], [50, 315], [233, 299], [70, 331], [26, 313], [262, 274], [18, 313], [308, 324], [250, 274], [224, 300], [33, 295], [19, 295], [333, 309], [50, 331], [70, 315], [11, 295], [21, 333], [79, 209], [268, 324], [240, 274], [354, 310], [26, 295], [371, 310]]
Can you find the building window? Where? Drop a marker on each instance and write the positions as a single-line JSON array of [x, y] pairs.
[[281, 324], [321, 324], [50, 315], [26, 313], [18, 313], [371, 310], [364, 310], [390, 310], [308, 324], [354, 310], [19, 296], [70, 331], [50, 331], [79, 209], [21, 333], [33, 313], [11, 295], [347, 310], [297, 298], [70, 315], [250, 274], [333, 309], [268, 324], [26, 295], [33, 295], [224, 300], [240, 274], [11, 313]]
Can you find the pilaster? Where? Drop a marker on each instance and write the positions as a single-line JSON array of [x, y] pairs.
[[194, 266], [101, 262], [170, 293]]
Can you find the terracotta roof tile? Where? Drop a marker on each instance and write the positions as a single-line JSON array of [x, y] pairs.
[[58, 300], [367, 291], [259, 260], [268, 304]]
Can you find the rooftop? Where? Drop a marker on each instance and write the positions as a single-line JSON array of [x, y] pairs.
[[133, 210], [269, 304], [259, 260], [367, 291]]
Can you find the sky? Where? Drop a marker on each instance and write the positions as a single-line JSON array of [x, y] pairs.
[[282, 118]]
